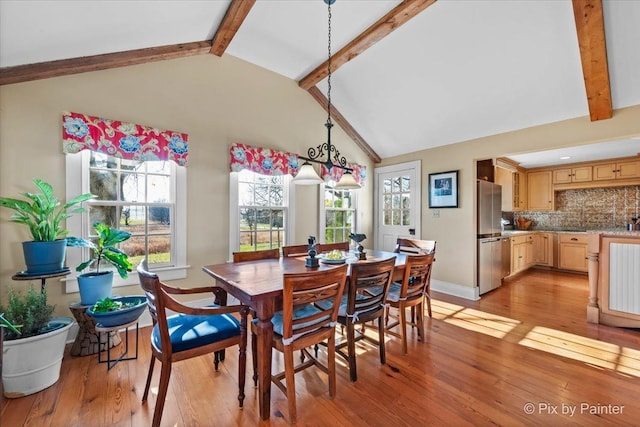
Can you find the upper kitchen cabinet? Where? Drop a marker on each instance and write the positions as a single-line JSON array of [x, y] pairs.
[[619, 170], [540, 191], [568, 175], [514, 185]]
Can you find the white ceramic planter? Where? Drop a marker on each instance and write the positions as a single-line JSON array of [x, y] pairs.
[[33, 364]]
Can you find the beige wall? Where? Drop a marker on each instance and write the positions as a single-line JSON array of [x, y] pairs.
[[217, 101], [455, 229]]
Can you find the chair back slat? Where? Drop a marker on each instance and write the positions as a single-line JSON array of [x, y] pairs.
[[328, 247], [256, 255], [417, 276], [414, 246], [301, 289], [368, 285], [295, 250], [152, 288]]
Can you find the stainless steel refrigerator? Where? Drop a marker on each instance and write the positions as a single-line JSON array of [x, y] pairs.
[[490, 243]]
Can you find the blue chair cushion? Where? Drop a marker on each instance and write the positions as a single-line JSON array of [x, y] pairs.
[[394, 292], [298, 312], [189, 331], [326, 304]]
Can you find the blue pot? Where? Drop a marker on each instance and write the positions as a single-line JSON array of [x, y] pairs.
[[95, 286], [121, 317], [44, 257]]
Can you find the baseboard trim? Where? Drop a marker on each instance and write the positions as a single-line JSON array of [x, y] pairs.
[[456, 290]]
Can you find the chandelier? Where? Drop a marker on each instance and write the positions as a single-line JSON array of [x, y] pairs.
[[326, 153]]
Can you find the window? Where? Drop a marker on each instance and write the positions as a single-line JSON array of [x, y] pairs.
[[397, 201], [259, 215], [139, 197], [337, 219]]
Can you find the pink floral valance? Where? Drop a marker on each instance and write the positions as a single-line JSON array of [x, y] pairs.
[[262, 160], [272, 162], [125, 140]]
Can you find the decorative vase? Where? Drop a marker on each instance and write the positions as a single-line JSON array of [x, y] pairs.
[[33, 364], [44, 257], [95, 286]]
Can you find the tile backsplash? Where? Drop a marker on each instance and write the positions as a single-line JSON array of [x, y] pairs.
[[594, 208]]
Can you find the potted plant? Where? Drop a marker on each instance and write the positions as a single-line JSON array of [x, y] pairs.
[[97, 284], [117, 311], [44, 215], [31, 357]]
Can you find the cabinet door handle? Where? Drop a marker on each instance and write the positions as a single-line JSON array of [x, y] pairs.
[[574, 239]]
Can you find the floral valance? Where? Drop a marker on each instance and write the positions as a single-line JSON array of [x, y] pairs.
[[262, 160], [125, 140], [272, 162]]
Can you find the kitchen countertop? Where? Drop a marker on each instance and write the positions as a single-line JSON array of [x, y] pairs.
[[616, 231]]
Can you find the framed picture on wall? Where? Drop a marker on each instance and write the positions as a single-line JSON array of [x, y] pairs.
[[443, 189]]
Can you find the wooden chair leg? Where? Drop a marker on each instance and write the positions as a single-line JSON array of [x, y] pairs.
[[331, 363], [381, 345], [421, 322], [351, 346], [165, 375], [403, 328], [216, 360], [149, 375], [289, 372], [254, 358], [242, 371], [428, 298]]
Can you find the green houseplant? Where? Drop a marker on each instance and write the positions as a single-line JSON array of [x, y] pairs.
[[31, 357], [97, 284], [44, 214]]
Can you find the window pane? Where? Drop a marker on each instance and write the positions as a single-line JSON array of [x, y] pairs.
[[387, 185], [159, 219], [133, 187], [245, 194], [103, 184], [159, 189], [395, 204], [105, 214], [276, 194], [405, 183], [339, 218], [386, 202], [100, 160], [247, 219], [406, 218], [396, 217], [339, 236], [387, 217], [261, 195]]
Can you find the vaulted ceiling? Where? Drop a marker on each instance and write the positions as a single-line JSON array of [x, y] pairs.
[[408, 75]]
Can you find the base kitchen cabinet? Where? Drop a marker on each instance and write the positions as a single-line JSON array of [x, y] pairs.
[[522, 253], [572, 252], [543, 249]]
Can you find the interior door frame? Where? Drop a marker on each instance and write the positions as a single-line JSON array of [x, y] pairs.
[[416, 211]]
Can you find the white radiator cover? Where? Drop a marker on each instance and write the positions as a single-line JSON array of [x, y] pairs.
[[624, 278]]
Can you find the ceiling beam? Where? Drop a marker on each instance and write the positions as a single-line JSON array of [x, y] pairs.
[[384, 26], [63, 67], [593, 53], [344, 124], [233, 18]]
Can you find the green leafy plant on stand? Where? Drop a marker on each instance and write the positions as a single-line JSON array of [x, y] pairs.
[[43, 213], [107, 304], [28, 310], [104, 249]]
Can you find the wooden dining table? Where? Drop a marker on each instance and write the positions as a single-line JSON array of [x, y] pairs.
[[258, 284]]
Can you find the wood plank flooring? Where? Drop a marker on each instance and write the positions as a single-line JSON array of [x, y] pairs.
[[522, 355]]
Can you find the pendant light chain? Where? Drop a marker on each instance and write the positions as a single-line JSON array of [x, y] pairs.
[[329, 64]]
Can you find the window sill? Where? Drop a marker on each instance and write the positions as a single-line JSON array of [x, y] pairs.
[[167, 273]]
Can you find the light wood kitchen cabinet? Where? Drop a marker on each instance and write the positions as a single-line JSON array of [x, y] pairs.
[[572, 252], [568, 175], [522, 253], [513, 189], [543, 249], [540, 191], [620, 170]]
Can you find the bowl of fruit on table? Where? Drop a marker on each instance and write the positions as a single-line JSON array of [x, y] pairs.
[[334, 257]]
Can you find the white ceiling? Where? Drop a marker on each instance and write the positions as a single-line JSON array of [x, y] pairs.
[[462, 69]]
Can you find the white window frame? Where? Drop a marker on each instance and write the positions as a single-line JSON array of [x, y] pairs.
[[323, 212], [77, 177], [234, 212]]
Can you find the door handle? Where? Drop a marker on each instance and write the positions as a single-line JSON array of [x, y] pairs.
[[412, 231]]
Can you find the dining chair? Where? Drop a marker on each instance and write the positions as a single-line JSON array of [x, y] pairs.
[[255, 256], [364, 301], [328, 247], [295, 250], [417, 247], [410, 293], [301, 324], [191, 332]]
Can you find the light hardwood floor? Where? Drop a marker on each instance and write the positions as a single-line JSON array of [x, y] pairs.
[[522, 355]]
